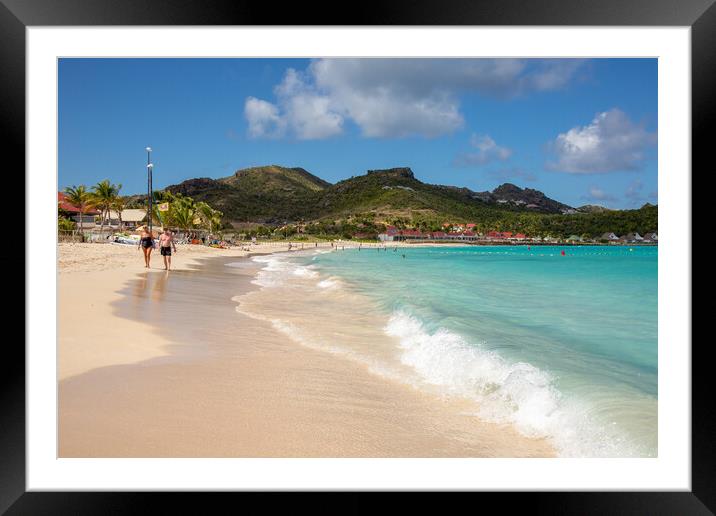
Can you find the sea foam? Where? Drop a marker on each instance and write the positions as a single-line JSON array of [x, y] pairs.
[[516, 393]]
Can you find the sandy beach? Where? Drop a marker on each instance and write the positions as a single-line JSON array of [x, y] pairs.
[[157, 364]]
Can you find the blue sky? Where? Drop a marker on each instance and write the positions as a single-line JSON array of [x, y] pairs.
[[582, 131]]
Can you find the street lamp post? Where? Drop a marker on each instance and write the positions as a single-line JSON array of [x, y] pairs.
[[150, 166]]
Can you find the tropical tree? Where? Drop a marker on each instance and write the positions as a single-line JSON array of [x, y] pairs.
[[104, 196], [80, 198], [119, 205], [210, 217], [183, 214]]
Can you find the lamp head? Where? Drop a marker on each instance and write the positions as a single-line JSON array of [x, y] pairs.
[[148, 149]]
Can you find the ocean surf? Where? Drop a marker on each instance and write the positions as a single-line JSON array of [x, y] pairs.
[[560, 347]]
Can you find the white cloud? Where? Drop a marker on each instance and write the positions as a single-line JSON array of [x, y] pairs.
[[300, 111], [611, 142], [263, 118], [487, 151], [393, 98]]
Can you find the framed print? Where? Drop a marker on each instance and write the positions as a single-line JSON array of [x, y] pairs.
[[416, 250]]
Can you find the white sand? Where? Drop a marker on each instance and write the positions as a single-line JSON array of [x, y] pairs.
[[220, 384]]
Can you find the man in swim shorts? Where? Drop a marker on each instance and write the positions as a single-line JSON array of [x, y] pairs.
[[166, 243]]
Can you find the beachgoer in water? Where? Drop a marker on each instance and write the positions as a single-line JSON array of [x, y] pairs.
[[403, 256], [166, 243], [146, 243]]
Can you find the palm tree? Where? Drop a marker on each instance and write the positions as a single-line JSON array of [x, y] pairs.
[[80, 198], [209, 216], [216, 219], [105, 194], [119, 204], [183, 214]]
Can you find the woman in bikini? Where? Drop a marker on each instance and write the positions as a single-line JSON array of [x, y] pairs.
[[146, 242]]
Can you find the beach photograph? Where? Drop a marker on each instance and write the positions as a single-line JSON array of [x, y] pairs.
[[357, 258]]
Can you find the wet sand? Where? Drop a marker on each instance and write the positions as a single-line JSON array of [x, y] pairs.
[[222, 384]]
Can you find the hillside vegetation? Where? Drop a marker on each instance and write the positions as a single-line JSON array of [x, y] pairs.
[[276, 196]]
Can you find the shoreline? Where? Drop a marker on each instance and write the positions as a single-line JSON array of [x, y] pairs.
[[229, 385], [367, 312], [89, 279]]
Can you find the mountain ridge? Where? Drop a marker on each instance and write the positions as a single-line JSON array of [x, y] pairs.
[[276, 196], [279, 194]]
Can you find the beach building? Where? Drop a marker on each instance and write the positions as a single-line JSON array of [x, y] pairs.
[[632, 238], [609, 236], [651, 237], [131, 218], [390, 233], [88, 217], [393, 234]]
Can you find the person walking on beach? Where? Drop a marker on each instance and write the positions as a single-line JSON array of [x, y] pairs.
[[146, 243], [166, 243]]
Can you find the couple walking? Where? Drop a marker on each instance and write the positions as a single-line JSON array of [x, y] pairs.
[[166, 243]]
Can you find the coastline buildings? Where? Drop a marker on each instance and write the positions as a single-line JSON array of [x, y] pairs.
[[609, 236], [458, 233]]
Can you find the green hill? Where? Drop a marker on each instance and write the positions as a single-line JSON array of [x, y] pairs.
[[270, 194], [274, 195]]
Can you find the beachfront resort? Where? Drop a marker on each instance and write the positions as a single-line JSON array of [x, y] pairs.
[[463, 233], [86, 221]]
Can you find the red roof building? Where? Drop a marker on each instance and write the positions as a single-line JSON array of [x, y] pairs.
[[66, 206], [392, 231]]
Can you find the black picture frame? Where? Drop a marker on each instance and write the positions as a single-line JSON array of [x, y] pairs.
[[16, 15]]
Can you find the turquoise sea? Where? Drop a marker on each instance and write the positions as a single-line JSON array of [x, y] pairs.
[[560, 346]]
